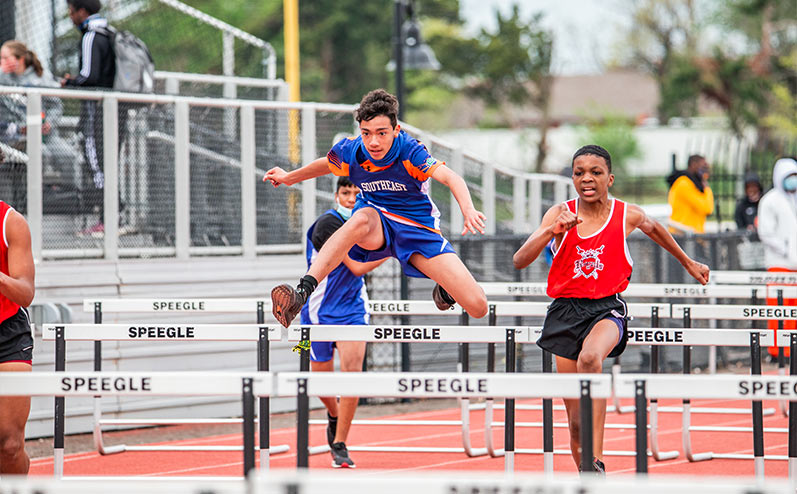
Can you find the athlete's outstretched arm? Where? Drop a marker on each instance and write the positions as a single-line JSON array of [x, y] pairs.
[[316, 168], [473, 220], [18, 284], [636, 218], [556, 221]]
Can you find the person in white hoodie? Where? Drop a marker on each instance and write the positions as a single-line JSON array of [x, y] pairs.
[[777, 228]]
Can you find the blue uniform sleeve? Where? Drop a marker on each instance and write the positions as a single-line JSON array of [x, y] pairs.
[[338, 157], [419, 163]]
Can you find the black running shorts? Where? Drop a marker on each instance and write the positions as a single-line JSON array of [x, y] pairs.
[[16, 341], [569, 321]]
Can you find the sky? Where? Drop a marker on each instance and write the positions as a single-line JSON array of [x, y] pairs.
[[585, 31]]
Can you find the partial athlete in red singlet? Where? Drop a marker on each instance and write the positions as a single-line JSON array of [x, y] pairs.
[[7, 307], [595, 266]]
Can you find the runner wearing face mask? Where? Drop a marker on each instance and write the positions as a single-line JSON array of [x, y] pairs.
[[339, 299], [777, 228]]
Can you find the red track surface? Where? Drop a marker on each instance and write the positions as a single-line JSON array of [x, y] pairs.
[[230, 463]]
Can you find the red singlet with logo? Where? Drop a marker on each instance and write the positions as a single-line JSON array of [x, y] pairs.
[[595, 266], [7, 307]]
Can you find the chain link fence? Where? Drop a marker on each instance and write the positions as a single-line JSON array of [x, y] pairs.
[[180, 38]]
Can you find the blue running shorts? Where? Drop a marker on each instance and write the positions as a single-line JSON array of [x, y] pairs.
[[324, 351], [401, 242]]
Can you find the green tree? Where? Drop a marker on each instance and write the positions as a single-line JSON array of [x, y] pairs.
[[731, 82], [346, 45], [616, 134], [513, 67], [783, 101], [663, 36]]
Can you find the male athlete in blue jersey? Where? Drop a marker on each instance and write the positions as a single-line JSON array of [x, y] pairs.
[[394, 215], [339, 299]]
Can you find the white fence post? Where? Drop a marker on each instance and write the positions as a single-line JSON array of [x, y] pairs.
[[182, 181], [518, 203], [35, 207], [110, 160], [560, 191], [458, 167], [535, 202], [248, 182], [229, 89], [488, 198], [171, 86], [309, 153]]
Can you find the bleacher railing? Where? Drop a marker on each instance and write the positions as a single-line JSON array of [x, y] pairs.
[[183, 174]]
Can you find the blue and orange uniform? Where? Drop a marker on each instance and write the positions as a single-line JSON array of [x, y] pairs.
[[397, 187]]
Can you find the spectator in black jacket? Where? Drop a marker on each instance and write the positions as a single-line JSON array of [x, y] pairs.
[[747, 207], [97, 69]]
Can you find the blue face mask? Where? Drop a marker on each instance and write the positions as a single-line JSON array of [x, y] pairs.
[[790, 183], [343, 211]]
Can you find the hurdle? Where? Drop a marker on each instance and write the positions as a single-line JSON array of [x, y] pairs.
[[670, 290], [539, 309], [62, 384], [719, 387], [645, 336], [585, 387], [131, 485], [729, 312], [439, 482], [415, 334], [779, 285], [464, 482], [257, 307], [662, 290]]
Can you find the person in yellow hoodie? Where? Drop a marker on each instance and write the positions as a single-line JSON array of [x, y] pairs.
[[690, 197]]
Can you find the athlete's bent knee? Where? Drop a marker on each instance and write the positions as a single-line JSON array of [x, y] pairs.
[[476, 306], [351, 365], [11, 445], [589, 361]]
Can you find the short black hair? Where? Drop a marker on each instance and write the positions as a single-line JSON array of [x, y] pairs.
[[378, 103], [91, 6], [344, 182], [594, 150], [694, 159]]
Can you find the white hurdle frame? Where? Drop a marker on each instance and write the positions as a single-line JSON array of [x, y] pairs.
[[428, 308], [730, 312], [671, 290], [256, 306], [416, 334], [440, 385], [539, 309], [728, 387], [778, 284], [669, 337], [459, 482], [63, 384]]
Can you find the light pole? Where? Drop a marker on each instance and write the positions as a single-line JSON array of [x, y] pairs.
[[410, 52], [408, 49], [398, 52]]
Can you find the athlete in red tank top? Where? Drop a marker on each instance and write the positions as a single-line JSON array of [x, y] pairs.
[[7, 307], [16, 343], [591, 267]]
